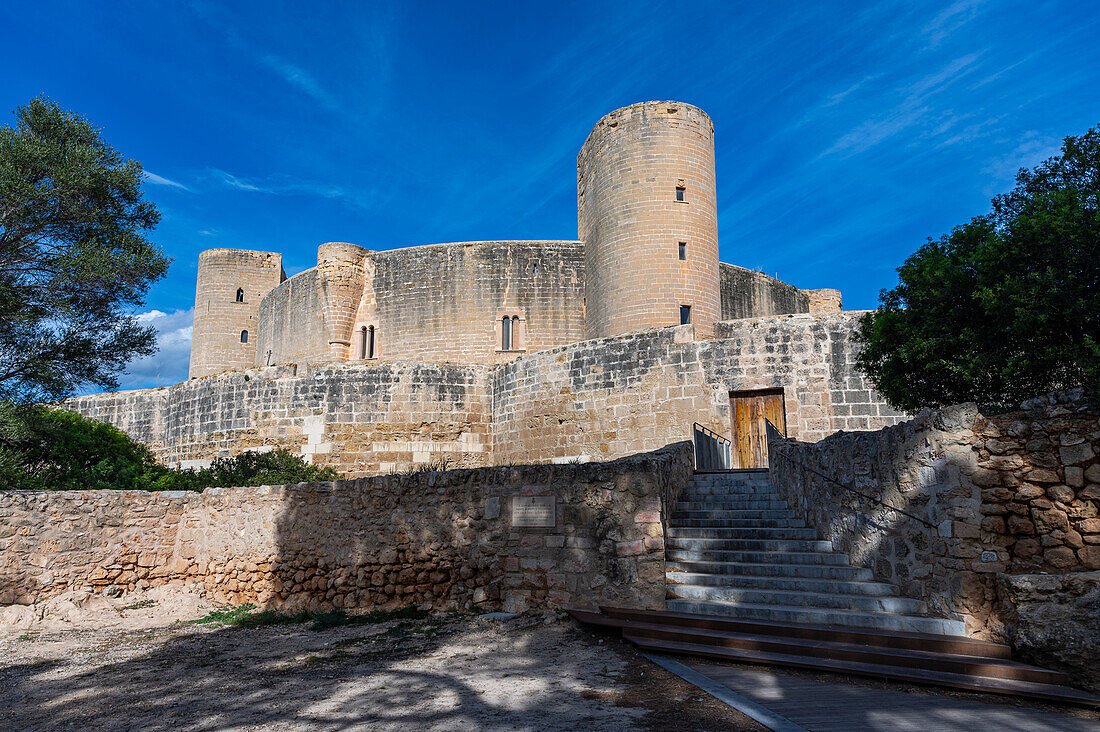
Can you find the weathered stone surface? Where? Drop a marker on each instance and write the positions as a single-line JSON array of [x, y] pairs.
[[989, 484], [1054, 621], [429, 538]]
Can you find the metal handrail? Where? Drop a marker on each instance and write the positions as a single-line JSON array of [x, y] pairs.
[[712, 451], [853, 490]]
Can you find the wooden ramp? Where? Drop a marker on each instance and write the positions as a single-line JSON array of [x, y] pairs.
[[917, 658]]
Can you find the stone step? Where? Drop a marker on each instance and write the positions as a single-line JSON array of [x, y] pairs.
[[723, 510], [692, 555], [733, 517], [820, 616], [728, 490], [748, 532], [843, 587], [770, 569], [743, 522], [743, 490], [798, 599], [751, 545], [706, 506]]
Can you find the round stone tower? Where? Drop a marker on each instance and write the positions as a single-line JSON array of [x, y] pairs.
[[648, 217], [231, 284]]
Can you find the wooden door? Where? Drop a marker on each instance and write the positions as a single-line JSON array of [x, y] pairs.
[[749, 410]]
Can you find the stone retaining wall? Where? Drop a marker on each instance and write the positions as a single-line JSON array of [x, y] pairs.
[[359, 419], [435, 539], [1015, 493]]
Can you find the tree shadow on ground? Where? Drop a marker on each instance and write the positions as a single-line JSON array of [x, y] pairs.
[[289, 677]]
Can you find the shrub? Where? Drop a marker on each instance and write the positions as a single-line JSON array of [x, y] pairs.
[[55, 449]]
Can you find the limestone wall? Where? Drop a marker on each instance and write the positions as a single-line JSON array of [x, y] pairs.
[[1013, 494], [440, 540], [219, 341], [360, 419], [616, 396], [291, 323], [445, 302], [749, 294], [631, 219], [437, 303]]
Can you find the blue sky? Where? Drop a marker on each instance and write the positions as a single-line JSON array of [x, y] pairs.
[[846, 132]]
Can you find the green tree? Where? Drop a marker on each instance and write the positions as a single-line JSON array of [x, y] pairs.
[[74, 261], [1004, 307]]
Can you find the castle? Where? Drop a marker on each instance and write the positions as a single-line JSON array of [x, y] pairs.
[[499, 351]]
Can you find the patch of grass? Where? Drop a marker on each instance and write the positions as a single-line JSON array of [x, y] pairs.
[[226, 616], [244, 617], [29, 636], [140, 605]]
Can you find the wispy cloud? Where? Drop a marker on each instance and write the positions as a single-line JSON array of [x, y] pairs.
[[162, 181], [234, 182], [300, 78], [169, 364], [284, 185], [950, 19]]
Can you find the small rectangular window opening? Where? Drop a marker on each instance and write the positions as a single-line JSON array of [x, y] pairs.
[[679, 193], [683, 249], [685, 315]]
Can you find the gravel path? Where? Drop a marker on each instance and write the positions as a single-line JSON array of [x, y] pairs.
[[438, 673]]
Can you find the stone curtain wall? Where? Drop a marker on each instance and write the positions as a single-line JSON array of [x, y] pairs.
[[749, 294], [439, 540], [592, 400], [1010, 494], [442, 302], [292, 324], [358, 419], [616, 396]]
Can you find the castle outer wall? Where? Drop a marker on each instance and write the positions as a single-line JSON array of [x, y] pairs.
[[593, 400]]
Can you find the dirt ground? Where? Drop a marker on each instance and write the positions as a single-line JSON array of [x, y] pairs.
[[135, 662]]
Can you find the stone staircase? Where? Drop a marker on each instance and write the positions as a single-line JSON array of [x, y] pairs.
[[749, 582], [736, 549]]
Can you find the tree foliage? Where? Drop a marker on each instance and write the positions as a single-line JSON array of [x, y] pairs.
[[1004, 307], [74, 260], [55, 449]]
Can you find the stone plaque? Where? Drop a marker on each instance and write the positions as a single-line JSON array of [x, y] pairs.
[[533, 511]]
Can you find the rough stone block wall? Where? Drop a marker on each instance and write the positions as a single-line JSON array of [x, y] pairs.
[[824, 301], [616, 396], [359, 419], [749, 294], [1009, 494], [216, 341], [437, 540]]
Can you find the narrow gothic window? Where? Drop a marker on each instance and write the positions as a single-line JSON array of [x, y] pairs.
[[683, 250], [685, 314], [680, 193], [370, 342], [515, 333], [240, 295], [363, 342], [506, 333], [244, 336]]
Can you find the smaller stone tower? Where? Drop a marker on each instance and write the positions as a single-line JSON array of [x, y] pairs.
[[648, 216], [231, 284]]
